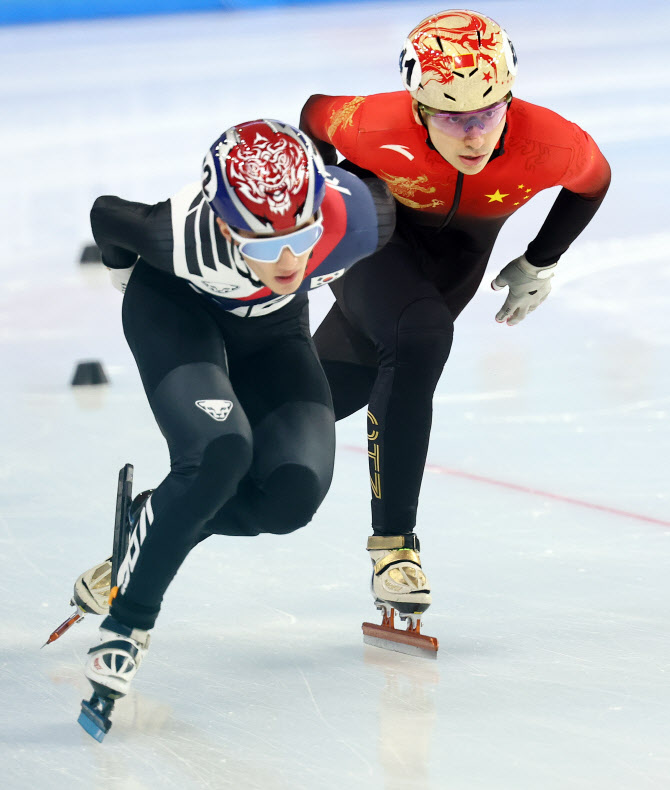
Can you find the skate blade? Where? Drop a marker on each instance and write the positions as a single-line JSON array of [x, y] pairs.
[[95, 720], [408, 642]]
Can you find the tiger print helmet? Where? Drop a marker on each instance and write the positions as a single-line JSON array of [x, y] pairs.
[[263, 176]]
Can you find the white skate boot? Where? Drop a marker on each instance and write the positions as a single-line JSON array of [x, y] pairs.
[[110, 668], [112, 665], [399, 583]]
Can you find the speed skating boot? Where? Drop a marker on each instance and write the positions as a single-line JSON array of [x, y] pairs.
[[399, 584], [110, 668]]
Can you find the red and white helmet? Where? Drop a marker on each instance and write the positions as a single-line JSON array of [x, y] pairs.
[[264, 176], [458, 61]]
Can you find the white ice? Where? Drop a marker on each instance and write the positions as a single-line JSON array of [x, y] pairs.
[[545, 509]]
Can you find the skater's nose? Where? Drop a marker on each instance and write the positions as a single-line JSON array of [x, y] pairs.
[[287, 258], [474, 139]]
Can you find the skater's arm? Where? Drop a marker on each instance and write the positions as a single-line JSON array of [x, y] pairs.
[[323, 119], [384, 202], [125, 231], [568, 217], [529, 276], [370, 210], [385, 208], [585, 184], [309, 125]]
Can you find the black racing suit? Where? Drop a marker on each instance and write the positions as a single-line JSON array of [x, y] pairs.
[[230, 372]]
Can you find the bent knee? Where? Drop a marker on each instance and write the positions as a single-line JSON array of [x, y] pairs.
[[296, 493], [216, 475]]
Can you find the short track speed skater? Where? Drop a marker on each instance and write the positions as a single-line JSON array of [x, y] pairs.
[[399, 584]]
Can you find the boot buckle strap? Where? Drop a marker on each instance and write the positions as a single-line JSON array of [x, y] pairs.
[[389, 542]]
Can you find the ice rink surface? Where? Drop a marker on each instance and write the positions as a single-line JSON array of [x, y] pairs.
[[544, 516]]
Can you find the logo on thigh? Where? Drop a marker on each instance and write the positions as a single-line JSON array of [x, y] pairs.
[[217, 409]]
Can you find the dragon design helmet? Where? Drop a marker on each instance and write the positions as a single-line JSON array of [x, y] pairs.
[[458, 61]]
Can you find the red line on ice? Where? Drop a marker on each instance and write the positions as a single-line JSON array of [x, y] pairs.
[[443, 470]]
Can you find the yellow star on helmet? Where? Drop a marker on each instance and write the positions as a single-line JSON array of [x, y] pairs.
[[496, 197]]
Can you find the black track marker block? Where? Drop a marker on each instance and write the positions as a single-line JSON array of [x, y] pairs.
[[90, 254], [89, 372]]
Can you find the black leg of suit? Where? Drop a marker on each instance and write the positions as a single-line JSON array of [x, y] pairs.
[[264, 467]]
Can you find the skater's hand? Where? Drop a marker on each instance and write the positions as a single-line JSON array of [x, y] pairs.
[[528, 286]]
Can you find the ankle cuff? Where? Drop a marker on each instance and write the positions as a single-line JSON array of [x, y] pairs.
[[388, 542]]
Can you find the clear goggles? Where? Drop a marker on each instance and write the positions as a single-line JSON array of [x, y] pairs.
[[464, 124], [268, 249]]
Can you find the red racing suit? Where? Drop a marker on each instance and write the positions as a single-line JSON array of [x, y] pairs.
[[385, 341], [539, 149]]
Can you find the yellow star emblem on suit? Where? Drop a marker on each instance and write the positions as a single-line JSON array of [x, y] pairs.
[[496, 197]]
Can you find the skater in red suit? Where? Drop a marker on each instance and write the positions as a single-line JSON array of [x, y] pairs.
[[460, 155]]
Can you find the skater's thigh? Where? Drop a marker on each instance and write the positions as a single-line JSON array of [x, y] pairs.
[[167, 324], [288, 402], [349, 360], [180, 354], [376, 293], [284, 369]]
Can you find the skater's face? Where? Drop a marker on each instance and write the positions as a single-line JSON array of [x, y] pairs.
[[285, 273], [470, 150]]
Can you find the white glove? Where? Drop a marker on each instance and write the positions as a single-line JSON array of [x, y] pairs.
[[120, 277], [528, 288]]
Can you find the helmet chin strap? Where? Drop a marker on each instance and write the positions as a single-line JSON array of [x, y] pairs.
[[500, 150], [429, 142]]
